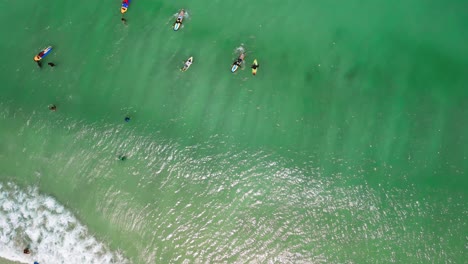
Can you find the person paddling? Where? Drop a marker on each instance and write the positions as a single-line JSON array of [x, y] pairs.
[[38, 58]]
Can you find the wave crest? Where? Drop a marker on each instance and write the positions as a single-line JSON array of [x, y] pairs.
[[52, 233]]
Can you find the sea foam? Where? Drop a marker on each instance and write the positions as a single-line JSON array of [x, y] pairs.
[[52, 233]]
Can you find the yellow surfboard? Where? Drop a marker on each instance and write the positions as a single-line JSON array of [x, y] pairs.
[[254, 67]]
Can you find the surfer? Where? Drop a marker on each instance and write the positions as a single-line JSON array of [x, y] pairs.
[[254, 67], [124, 7], [26, 251], [239, 60], [39, 56], [187, 64], [122, 157], [179, 19], [53, 108], [127, 119]]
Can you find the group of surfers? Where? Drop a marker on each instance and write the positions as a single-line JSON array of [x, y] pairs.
[[178, 23], [240, 60]]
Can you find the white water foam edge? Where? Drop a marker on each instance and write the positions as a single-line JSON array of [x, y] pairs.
[[51, 232]]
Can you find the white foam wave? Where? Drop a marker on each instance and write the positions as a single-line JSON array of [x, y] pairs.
[[186, 14], [53, 234], [240, 49]]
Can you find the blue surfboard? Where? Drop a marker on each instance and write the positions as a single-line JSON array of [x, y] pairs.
[[47, 51], [43, 53], [234, 68]]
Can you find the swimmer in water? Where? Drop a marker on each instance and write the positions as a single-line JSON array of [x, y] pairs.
[[53, 108], [122, 157]]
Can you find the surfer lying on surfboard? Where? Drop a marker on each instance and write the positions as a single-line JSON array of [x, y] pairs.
[[124, 7], [254, 67], [187, 64], [41, 55], [238, 62], [180, 18]]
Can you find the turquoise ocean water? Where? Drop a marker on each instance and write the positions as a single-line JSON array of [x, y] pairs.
[[349, 146]]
